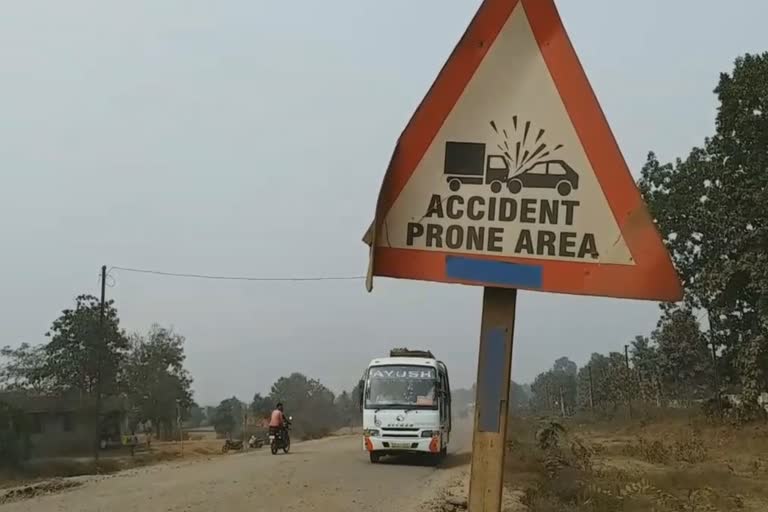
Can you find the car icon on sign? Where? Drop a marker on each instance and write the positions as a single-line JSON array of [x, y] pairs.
[[555, 174]]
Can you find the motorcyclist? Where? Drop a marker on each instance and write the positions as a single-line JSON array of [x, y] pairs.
[[277, 421]]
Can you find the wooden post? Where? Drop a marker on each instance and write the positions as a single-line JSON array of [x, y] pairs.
[[492, 401]]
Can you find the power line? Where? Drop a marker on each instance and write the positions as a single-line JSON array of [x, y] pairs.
[[237, 278]]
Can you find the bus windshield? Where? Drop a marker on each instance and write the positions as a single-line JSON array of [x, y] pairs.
[[401, 387]]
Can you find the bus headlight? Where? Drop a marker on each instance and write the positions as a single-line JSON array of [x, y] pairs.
[[429, 433], [371, 432]]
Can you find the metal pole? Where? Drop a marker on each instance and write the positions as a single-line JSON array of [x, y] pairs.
[[591, 389], [492, 401]]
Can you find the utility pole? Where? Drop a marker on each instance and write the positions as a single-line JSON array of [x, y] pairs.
[[591, 389], [629, 379], [245, 422], [178, 423], [562, 403], [100, 345], [714, 362]]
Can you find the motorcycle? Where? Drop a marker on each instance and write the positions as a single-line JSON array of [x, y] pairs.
[[255, 442], [230, 444], [280, 439]]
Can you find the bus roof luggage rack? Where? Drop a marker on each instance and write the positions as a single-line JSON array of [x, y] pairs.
[[404, 352]]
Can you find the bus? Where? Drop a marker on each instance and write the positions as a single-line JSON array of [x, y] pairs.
[[406, 404]]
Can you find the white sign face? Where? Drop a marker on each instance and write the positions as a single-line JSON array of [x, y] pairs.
[[506, 174]]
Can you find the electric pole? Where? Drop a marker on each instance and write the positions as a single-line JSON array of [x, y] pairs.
[[629, 381], [100, 345]]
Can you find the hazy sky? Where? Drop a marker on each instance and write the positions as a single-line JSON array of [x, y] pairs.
[[250, 138]]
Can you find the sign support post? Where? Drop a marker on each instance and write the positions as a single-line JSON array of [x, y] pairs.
[[494, 371]]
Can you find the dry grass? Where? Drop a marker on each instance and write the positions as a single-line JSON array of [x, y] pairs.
[[675, 463], [110, 462]]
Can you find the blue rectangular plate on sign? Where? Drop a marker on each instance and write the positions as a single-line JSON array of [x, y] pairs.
[[493, 272], [491, 381]]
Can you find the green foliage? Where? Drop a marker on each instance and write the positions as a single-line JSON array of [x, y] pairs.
[[228, 417], [309, 402], [196, 416], [155, 379], [552, 386], [612, 383], [24, 368], [83, 355], [683, 357], [712, 208], [347, 409], [261, 406]]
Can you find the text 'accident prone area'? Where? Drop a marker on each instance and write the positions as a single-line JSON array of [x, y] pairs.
[[533, 241]]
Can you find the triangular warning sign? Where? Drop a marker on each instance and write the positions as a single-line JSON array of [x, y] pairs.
[[508, 175]]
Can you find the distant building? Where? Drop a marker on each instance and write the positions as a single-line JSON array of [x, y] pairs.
[[64, 425]]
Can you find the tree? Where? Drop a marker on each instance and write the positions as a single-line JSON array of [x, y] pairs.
[[261, 406], [24, 368], [518, 398], [346, 409], [228, 417], [644, 356], [82, 355], [565, 366], [311, 404], [612, 383], [196, 416], [713, 210], [155, 378], [210, 413], [684, 359], [555, 390]]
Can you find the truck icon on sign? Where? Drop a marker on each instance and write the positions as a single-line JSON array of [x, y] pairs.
[[466, 163]]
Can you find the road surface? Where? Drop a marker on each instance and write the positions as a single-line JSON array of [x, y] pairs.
[[328, 475]]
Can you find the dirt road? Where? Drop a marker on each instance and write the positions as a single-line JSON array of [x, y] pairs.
[[327, 475]]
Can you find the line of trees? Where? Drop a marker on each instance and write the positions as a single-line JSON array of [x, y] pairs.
[[90, 359], [85, 358], [315, 409], [712, 209]]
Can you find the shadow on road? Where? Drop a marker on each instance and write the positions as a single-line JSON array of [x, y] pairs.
[[453, 460]]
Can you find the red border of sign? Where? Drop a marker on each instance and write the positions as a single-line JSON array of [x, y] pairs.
[[652, 277]]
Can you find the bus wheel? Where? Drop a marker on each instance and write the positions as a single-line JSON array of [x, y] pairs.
[[496, 187], [454, 185], [375, 457]]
